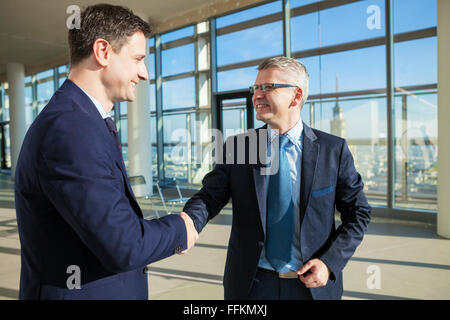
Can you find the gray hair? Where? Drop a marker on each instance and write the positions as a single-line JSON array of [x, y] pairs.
[[296, 69]]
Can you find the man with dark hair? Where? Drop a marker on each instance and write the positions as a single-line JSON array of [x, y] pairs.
[[284, 243], [81, 230]]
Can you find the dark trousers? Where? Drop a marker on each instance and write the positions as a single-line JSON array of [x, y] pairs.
[[268, 286]]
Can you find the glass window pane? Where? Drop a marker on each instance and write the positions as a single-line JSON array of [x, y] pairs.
[[363, 123], [354, 70], [352, 22], [300, 3], [236, 79], [416, 151], [177, 34], [45, 91], [312, 65], [152, 88], [175, 147], [154, 145], [123, 128], [248, 44], [178, 60], [414, 15], [45, 74], [305, 32], [179, 93], [347, 23], [415, 62], [151, 66], [248, 14], [234, 116]]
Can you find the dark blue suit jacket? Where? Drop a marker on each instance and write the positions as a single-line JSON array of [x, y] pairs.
[[75, 207], [329, 181]]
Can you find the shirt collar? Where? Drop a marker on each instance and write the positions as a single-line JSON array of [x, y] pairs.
[[294, 134], [97, 105]]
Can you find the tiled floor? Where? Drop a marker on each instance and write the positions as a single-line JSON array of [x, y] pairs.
[[396, 260]]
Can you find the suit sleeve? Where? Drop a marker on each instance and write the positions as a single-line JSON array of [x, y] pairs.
[[355, 214], [213, 196], [76, 175]]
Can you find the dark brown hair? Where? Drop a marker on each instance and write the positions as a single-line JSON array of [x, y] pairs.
[[112, 23]]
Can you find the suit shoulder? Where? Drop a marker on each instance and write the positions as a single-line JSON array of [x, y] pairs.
[[328, 138]]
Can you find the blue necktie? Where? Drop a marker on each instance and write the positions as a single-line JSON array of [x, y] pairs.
[[280, 210]]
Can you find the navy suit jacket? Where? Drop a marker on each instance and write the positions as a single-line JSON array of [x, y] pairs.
[[329, 181], [75, 207]]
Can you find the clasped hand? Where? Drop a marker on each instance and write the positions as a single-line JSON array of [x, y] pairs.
[[192, 234]]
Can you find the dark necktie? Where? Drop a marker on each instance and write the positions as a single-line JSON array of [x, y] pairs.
[[280, 210], [113, 129]]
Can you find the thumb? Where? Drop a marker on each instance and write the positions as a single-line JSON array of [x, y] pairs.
[[304, 268]]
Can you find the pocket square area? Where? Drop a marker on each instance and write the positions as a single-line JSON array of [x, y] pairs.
[[322, 191]]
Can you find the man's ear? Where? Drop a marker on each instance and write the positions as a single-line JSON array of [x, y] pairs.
[[298, 97], [102, 51]]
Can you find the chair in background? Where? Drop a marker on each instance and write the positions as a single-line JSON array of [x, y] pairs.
[[142, 191], [166, 192]]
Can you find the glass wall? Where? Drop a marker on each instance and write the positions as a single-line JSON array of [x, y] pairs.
[[345, 47]]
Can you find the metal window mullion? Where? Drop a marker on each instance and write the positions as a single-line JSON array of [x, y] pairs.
[[390, 104], [159, 109], [287, 28], [213, 73]]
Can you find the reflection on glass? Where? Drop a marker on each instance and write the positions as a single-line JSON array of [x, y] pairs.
[[362, 122], [416, 151]]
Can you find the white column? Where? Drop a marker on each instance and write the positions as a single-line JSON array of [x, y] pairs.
[[443, 25], [139, 131], [18, 125], [202, 136]]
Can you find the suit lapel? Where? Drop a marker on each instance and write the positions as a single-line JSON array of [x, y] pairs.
[[310, 153], [260, 179], [86, 103]]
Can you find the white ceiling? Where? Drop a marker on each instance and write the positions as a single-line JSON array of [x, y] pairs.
[[34, 32]]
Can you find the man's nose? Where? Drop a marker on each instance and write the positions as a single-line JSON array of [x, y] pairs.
[[259, 93], [143, 73]]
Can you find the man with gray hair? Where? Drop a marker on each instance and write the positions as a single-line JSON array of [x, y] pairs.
[[283, 242]]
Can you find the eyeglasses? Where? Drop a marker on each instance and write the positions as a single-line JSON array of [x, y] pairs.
[[267, 87]]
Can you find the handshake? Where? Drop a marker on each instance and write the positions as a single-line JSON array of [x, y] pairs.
[[192, 234]]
